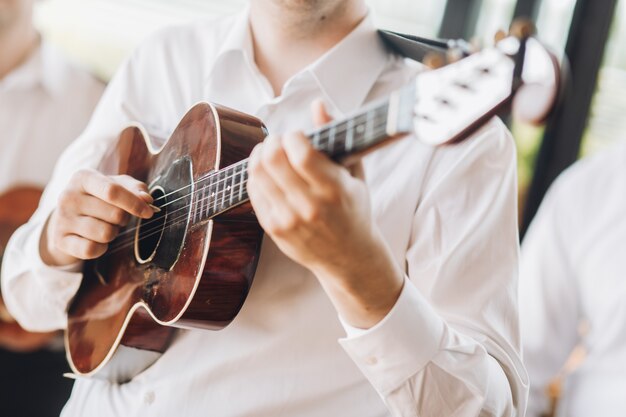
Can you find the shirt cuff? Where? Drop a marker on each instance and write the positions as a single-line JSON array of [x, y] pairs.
[[400, 345]]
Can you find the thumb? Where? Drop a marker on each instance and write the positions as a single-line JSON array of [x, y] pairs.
[[320, 115]]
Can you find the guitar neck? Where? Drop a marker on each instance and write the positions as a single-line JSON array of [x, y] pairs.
[[378, 122]]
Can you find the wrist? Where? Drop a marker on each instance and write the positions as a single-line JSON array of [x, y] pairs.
[[364, 292], [49, 253]]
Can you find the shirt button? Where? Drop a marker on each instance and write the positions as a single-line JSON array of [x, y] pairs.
[[372, 360], [149, 397]]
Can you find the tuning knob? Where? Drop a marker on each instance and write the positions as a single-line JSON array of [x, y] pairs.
[[434, 60], [522, 28], [500, 36]]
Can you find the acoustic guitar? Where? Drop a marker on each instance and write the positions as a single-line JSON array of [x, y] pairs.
[[192, 264], [16, 207]]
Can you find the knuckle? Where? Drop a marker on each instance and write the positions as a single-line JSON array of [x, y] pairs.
[[118, 216], [289, 223], [110, 191], [79, 176], [306, 158], [334, 196], [108, 233], [66, 199], [312, 213], [273, 155], [91, 250]]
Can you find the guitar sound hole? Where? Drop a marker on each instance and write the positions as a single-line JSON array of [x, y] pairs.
[[150, 231]]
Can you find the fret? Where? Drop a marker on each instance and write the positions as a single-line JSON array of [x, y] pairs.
[[201, 203], [221, 189], [350, 135], [231, 187], [244, 169], [359, 133], [214, 192], [331, 142], [369, 126], [316, 140]]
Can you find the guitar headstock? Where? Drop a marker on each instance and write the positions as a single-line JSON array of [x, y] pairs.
[[451, 102]]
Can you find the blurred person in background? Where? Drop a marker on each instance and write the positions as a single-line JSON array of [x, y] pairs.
[[572, 292], [45, 102]]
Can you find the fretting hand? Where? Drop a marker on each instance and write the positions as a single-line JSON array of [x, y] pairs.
[[319, 215]]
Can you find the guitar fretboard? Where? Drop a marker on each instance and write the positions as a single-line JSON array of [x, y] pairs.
[[220, 191]]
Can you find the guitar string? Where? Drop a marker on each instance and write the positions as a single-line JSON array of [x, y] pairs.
[[157, 229], [358, 142], [177, 220], [323, 134], [184, 216], [376, 125], [375, 121]]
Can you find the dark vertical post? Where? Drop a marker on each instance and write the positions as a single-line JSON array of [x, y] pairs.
[[459, 19], [561, 143], [527, 8]]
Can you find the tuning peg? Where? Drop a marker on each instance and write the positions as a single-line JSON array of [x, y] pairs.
[[522, 28], [434, 60], [500, 36]]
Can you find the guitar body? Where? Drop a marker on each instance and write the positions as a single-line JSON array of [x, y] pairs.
[[169, 273], [16, 207]]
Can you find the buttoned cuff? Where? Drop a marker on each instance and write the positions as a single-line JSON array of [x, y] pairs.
[[400, 345]]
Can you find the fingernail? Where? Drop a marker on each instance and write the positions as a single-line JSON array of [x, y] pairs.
[[155, 208], [146, 197]]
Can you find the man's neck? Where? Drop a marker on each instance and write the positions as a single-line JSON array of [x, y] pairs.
[[287, 40], [17, 43]]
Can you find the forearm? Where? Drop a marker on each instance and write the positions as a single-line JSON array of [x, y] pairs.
[[365, 290]]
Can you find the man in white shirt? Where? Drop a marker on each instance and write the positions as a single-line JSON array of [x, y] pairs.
[[425, 285], [573, 263], [44, 104]]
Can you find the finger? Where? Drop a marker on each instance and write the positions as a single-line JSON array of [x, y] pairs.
[[99, 209], [268, 200], [115, 194], [278, 167], [314, 167], [94, 229], [139, 188], [81, 248], [320, 114], [357, 170], [297, 191]]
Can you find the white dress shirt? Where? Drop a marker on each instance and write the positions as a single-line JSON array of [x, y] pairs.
[[574, 258], [44, 105], [450, 346]]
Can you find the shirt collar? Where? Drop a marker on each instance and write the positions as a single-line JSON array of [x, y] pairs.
[[348, 71], [345, 74]]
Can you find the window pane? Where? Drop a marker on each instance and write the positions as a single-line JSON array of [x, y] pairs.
[[608, 122], [553, 23], [494, 15]]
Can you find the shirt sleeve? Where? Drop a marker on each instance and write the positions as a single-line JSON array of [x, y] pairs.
[[549, 328], [36, 294], [451, 345]]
